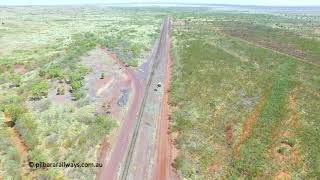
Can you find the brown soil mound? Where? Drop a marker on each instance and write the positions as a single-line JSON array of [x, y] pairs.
[[19, 68]]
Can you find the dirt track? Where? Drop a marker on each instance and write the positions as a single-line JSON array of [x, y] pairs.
[[136, 144], [142, 154], [111, 168], [163, 168]]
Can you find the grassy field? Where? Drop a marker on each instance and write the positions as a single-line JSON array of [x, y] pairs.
[[40, 49], [245, 95]]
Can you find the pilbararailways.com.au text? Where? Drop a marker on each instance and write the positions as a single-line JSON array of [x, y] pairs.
[[39, 165]]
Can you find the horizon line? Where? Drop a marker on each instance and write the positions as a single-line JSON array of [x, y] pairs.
[[160, 3]]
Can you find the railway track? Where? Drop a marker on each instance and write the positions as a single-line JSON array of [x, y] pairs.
[[162, 43]]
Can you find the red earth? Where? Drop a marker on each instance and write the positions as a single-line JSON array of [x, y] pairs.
[[129, 147], [110, 171], [164, 170]]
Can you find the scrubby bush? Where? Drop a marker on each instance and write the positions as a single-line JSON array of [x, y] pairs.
[[76, 85], [53, 71], [12, 168], [136, 49], [102, 76], [37, 155], [27, 127], [104, 124], [184, 166], [15, 79], [75, 76], [9, 156], [14, 111], [39, 89], [60, 90], [13, 107], [133, 62], [78, 94]]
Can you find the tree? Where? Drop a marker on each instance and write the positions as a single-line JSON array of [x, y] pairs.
[[102, 76]]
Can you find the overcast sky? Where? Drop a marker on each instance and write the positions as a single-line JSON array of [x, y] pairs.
[[241, 2]]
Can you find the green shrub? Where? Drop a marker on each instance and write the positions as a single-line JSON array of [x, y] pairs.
[[12, 169], [14, 111], [136, 49], [76, 77], [185, 167], [78, 94], [37, 155], [15, 78], [39, 89], [101, 125], [133, 62], [27, 127], [54, 71], [102, 76], [13, 154], [13, 107], [178, 162], [76, 85], [104, 123]]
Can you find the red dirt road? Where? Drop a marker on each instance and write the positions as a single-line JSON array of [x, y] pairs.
[[141, 160], [110, 170], [135, 153], [164, 146], [163, 167]]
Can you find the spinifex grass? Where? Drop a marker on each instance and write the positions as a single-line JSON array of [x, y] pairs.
[[232, 104]]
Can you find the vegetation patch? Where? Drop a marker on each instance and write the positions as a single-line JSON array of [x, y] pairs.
[[242, 122], [46, 57]]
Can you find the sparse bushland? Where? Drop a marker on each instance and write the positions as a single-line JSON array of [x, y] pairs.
[[304, 46], [52, 60], [240, 110], [65, 131]]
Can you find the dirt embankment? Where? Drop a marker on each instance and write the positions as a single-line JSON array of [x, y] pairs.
[[16, 138], [18, 143], [166, 146]]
